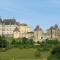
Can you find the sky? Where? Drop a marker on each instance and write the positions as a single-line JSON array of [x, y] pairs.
[[44, 13]]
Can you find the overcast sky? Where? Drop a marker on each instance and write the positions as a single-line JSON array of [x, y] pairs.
[[33, 12]]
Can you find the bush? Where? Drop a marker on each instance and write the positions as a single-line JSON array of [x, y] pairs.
[[55, 54], [48, 44], [38, 53], [3, 43]]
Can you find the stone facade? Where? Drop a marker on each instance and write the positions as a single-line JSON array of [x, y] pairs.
[[30, 35], [7, 27], [11, 28], [38, 34], [23, 30], [16, 33], [51, 33]]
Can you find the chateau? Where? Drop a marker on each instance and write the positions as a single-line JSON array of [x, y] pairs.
[[12, 28]]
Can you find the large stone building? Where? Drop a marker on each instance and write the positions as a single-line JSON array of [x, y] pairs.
[[52, 33], [8, 27], [0, 26], [16, 33], [38, 34], [11, 28], [22, 30]]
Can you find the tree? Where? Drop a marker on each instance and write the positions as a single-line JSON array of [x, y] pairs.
[[13, 43], [55, 54], [3, 43], [30, 41], [49, 44], [38, 42], [37, 53], [24, 40]]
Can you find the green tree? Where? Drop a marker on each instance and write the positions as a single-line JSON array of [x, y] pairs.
[[48, 44], [3, 43], [55, 54], [38, 53], [13, 43]]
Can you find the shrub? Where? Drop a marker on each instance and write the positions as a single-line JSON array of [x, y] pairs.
[[55, 54], [38, 53]]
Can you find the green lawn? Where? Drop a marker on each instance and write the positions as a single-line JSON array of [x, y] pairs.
[[21, 54]]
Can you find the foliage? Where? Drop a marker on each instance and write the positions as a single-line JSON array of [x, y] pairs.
[[48, 44], [38, 53], [13, 41], [3, 42], [22, 43], [55, 54]]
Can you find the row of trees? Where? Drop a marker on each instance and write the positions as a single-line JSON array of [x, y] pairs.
[[46, 44], [53, 46], [11, 42]]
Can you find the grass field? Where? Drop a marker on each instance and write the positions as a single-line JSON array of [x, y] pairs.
[[21, 54]]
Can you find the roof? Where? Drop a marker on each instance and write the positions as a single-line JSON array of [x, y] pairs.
[[53, 28], [17, 29], [37, 28], [18, 23], [23, 24], [9, 21]]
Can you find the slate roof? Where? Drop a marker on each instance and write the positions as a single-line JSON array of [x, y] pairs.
[[37, 28], [9, 21], [53, 28], [23, 24]]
